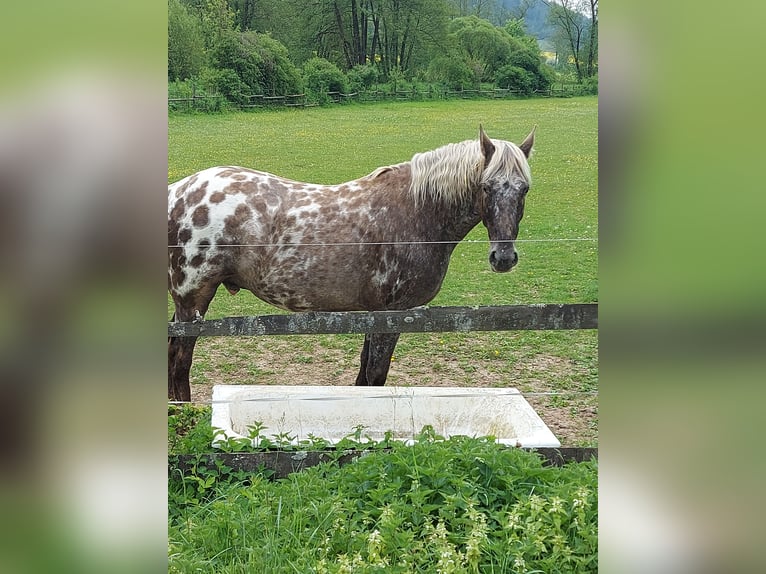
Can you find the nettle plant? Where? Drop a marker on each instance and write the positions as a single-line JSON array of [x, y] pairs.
[[439, 505]]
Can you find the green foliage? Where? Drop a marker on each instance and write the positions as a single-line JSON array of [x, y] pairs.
[[392, 42], [455, 73], [590, 86], [363, 76], [515, 28], [515, 78], [241, 66], [203, 85], [481, 42], [505, 55], [251, 63], [279, 76], [457, 505], [217, 20], [189, 429], [228, 83], [322, 76], [185, 43]]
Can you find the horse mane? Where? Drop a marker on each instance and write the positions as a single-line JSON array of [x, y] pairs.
[[452, 173]]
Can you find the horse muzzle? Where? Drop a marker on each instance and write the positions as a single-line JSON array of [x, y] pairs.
[[503, 257]]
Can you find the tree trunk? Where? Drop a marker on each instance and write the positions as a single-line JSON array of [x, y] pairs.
[[375, 45], [342, 33], [356, 35], [593, 37]]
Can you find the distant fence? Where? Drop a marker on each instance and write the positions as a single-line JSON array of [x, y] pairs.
[[253, 101]]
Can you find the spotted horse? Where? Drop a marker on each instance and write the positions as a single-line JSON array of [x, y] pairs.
[[379, 242]]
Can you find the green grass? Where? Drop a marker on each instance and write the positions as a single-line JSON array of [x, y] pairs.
[[340, 143]]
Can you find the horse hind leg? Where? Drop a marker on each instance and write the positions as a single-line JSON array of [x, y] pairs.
[[180, 352], [181, 349], [376, 358]]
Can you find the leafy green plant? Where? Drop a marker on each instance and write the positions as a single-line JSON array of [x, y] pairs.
[[458, 505]]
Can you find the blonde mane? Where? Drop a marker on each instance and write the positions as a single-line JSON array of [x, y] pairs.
[[452, 173]]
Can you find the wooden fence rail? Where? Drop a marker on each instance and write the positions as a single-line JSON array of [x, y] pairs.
[[418, 320], [282, 464]]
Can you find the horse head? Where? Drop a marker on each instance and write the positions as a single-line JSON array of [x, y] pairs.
[[505, 181]]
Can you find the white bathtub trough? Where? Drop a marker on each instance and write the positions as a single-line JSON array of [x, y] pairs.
[[334, 412]]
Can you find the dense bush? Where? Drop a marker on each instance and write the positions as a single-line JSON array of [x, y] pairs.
[[227, 83], [279, 76], [232, 58], [214, 100], [363, 76], [452, 72], [322, 76], [590, 86], [515, 78]]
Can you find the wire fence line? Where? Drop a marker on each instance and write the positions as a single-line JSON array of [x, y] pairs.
[[394, 395], [359, 243]]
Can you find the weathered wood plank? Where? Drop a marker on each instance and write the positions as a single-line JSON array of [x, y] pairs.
[[283, 464], [418, 320]]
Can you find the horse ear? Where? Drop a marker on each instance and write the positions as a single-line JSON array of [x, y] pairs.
[[487, 147], [528, 143]]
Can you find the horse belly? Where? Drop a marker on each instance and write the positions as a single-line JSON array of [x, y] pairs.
[[335, 279], [297, 281]]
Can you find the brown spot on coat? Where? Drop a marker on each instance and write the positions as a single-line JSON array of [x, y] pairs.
[[239, 187], [200, 216], [259, 205], [178, 210], [182, 189], [217, 197], [197, 195], [184, 235], [235, 221]]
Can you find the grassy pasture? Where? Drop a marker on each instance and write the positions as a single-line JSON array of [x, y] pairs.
[[336, 144]]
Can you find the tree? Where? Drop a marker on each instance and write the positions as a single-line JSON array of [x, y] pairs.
[[185, 44], [492, 10], [217, 21], [279, 76], [487, 46], [577, 24], [393, 34], [592, 38], [259, 61], [322, 76]]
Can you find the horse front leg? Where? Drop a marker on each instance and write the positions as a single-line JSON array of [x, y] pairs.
[[376, 358]]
